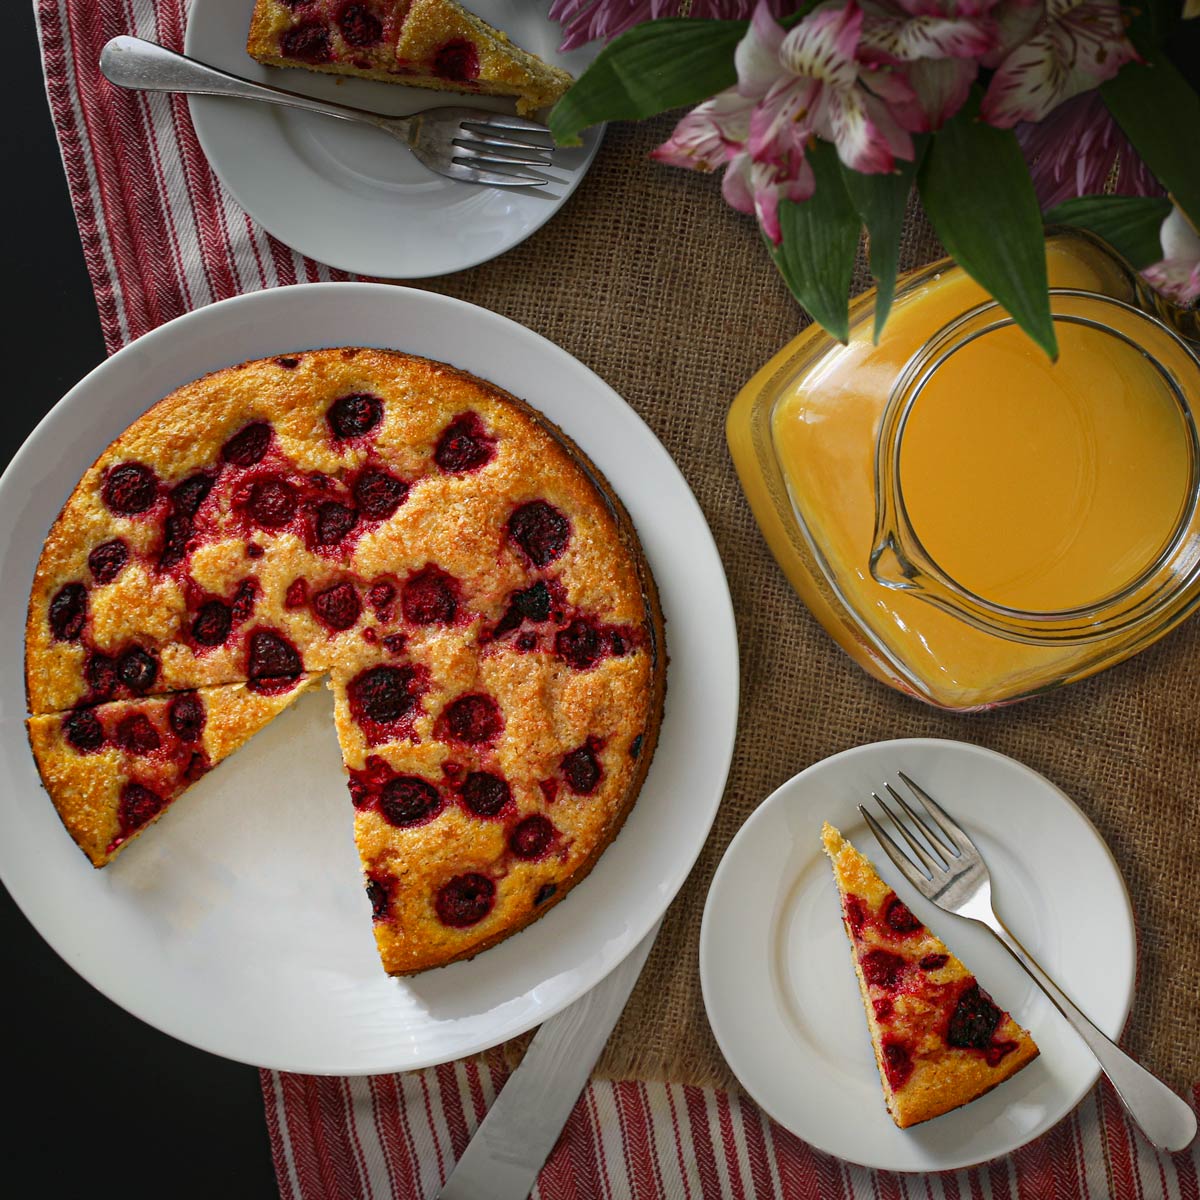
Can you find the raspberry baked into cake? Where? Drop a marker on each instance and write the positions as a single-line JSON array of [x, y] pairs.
[[939, 1039], [474, 592], [434, 44]]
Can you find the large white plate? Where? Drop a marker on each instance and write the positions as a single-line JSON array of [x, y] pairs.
[[239, 923], [350, 196], [780, 989]]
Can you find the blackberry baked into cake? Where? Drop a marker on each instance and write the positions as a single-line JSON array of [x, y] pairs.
[[463, 576], [939, 1039], [434, 44]]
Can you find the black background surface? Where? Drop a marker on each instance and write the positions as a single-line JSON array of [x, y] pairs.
[[99, 1104]]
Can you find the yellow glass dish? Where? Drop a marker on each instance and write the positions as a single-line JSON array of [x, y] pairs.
[[972, 523]]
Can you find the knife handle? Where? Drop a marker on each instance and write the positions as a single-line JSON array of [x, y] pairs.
[[502, 1160]]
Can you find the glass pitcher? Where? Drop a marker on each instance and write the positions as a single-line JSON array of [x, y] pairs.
[[970, 524]]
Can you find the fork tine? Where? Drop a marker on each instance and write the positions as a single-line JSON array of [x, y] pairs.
[[505, 121], [515, 137], [496, 178], [945, 822], [932, 865], [944, 852], [500, 167], [505, 151], [902, 861]]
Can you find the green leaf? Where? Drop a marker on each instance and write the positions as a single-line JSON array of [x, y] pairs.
[[820, 238], [1160, 115], [1129, 224], [653, 67], [976, 190], [660, 64], [881, 201]]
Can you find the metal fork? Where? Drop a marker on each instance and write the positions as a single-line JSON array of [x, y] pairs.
[[470, 144], [952, 874]]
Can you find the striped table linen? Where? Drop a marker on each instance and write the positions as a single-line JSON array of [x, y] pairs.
[[396, 1137], [160, 238]]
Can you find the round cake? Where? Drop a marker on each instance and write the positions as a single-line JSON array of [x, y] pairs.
[[463, 576]]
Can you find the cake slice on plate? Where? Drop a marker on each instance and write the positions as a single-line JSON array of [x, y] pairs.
[[434, 44], [113, 769], [939, 1040]]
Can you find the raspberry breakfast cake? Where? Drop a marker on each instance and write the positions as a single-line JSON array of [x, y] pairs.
[[434, 44], [939, 1040], [474, 592]]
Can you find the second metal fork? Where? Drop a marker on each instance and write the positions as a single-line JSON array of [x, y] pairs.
[[470, 144], [949, 870]]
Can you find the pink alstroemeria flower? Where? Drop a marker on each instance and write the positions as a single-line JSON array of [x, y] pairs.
[[808, 82], [1075, 45], [939, 42], [710, 135], [714, 135], [793, 86], [1177, 275], [758, 187]]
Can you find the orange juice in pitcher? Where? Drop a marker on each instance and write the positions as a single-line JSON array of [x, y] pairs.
[[972, 522]]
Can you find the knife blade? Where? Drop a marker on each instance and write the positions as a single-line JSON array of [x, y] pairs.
[[502, 1160]]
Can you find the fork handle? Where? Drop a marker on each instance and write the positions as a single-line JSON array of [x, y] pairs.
[[1163, 1117], [145, 66]]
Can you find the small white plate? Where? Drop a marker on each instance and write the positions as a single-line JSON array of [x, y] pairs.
[[238, 923], [779, 985], [350, 196]]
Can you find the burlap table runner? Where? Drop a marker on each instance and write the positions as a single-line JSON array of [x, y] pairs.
[[648, 278]]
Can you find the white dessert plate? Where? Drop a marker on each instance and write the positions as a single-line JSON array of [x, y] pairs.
[[779, 985], [239, 923], [351, 196]]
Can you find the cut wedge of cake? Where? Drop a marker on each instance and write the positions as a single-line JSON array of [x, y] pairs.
[[939, 1040], [113, 769], [434, 44]]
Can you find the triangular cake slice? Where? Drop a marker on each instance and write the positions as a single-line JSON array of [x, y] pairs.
[[434, 44], [940, 1041], [113, 769]]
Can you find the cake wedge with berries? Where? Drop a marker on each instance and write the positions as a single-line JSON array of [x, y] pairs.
[[113, 769], [939, 1039], [434, 44]]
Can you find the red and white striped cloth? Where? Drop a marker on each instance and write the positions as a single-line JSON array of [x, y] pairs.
[[396, 1137], [161, 237]]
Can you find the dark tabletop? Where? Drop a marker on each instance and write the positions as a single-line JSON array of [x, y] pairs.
[[100, 1104]]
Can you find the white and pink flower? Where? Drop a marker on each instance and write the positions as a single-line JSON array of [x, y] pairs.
[[794, 86], [809, 82], [939, 45], [1177, 275], [710, 135], [865, 75], [1051, 53]]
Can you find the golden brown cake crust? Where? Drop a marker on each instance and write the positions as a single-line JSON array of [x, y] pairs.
[[438, 548], [914, 992]]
